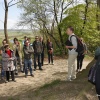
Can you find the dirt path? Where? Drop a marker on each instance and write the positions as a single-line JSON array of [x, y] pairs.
[[50, 73]]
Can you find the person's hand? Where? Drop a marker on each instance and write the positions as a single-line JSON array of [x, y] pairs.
[[67, 47], [10, 58]]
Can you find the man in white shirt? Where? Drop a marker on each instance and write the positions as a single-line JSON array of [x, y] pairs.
[[72, 54]]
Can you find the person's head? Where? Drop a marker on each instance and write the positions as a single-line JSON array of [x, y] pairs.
[[82, 39], [25, 38], [41, 39], [4, 42], [29, 39], [6, 47], [27, 43], [15, 40], [48, 40], [36, 38], [70, 30]]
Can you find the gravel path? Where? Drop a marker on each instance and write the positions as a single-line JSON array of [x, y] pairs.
[[49, 73]]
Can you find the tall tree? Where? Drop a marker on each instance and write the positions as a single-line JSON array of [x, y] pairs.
[[98, 15], [7, 5]]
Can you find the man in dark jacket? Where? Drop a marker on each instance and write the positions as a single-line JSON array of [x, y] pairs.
[[28, 51], [42, 54], [37, 46]]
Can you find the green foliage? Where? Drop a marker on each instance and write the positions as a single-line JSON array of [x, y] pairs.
[[75, 17]]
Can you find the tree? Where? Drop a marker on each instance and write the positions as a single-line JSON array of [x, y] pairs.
[[7, 5], [98, 15]]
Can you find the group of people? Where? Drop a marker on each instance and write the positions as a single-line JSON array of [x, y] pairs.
[[30, 53]]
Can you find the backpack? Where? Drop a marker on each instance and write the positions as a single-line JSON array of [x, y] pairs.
[[80, 46]]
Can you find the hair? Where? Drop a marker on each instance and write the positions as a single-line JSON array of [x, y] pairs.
[[4, 40], [71, 28], [7, 45], [25, 36], [15, 39], [36, 36], [48, 39]]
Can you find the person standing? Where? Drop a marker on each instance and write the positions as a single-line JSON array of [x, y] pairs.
[[37, 46], [81, 56], [50, 51], [8, 63], [42, 54], [18, 54], [1, 51], [72, 54], [28, 51]]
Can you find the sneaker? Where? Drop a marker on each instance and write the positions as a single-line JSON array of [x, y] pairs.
[[73, 78], [52, 64], [16, 73], [14, 80], [6, 81], [25, 76], [69, 79], [40, 69], [32, 75]]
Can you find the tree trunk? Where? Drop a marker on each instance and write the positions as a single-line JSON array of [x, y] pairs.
[[59, 29], [5, 20], [85, 17], [98, 15]]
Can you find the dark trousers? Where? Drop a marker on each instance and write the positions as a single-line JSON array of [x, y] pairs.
[[37, 56], [8, 75], [42, 58], [50, 57], [80, 59]]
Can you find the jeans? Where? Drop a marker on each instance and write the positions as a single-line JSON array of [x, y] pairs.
[[28, 64], [50, 57], [80, 59], [42, 58], [37, 55], [16, 65]]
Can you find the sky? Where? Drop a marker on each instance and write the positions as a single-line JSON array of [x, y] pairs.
[[13, 15]]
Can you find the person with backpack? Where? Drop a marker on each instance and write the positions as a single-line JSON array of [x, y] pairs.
[[72, 53], [38, 48], [81, 56], [50, 51], [28, 52]]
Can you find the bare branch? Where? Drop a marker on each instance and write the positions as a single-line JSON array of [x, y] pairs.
[[10, 2], [14, 4]]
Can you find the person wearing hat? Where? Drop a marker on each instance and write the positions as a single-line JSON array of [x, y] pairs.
[[8, 63]]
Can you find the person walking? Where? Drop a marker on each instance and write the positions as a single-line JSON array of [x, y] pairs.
[[8, 63], [81, 56], [72, 54], [28, 52], [37, 46], [18, 54], [50, 51], [42, 54]]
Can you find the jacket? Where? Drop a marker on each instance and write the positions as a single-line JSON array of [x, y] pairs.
[[37, 46], [28, 51], [8, 65]]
